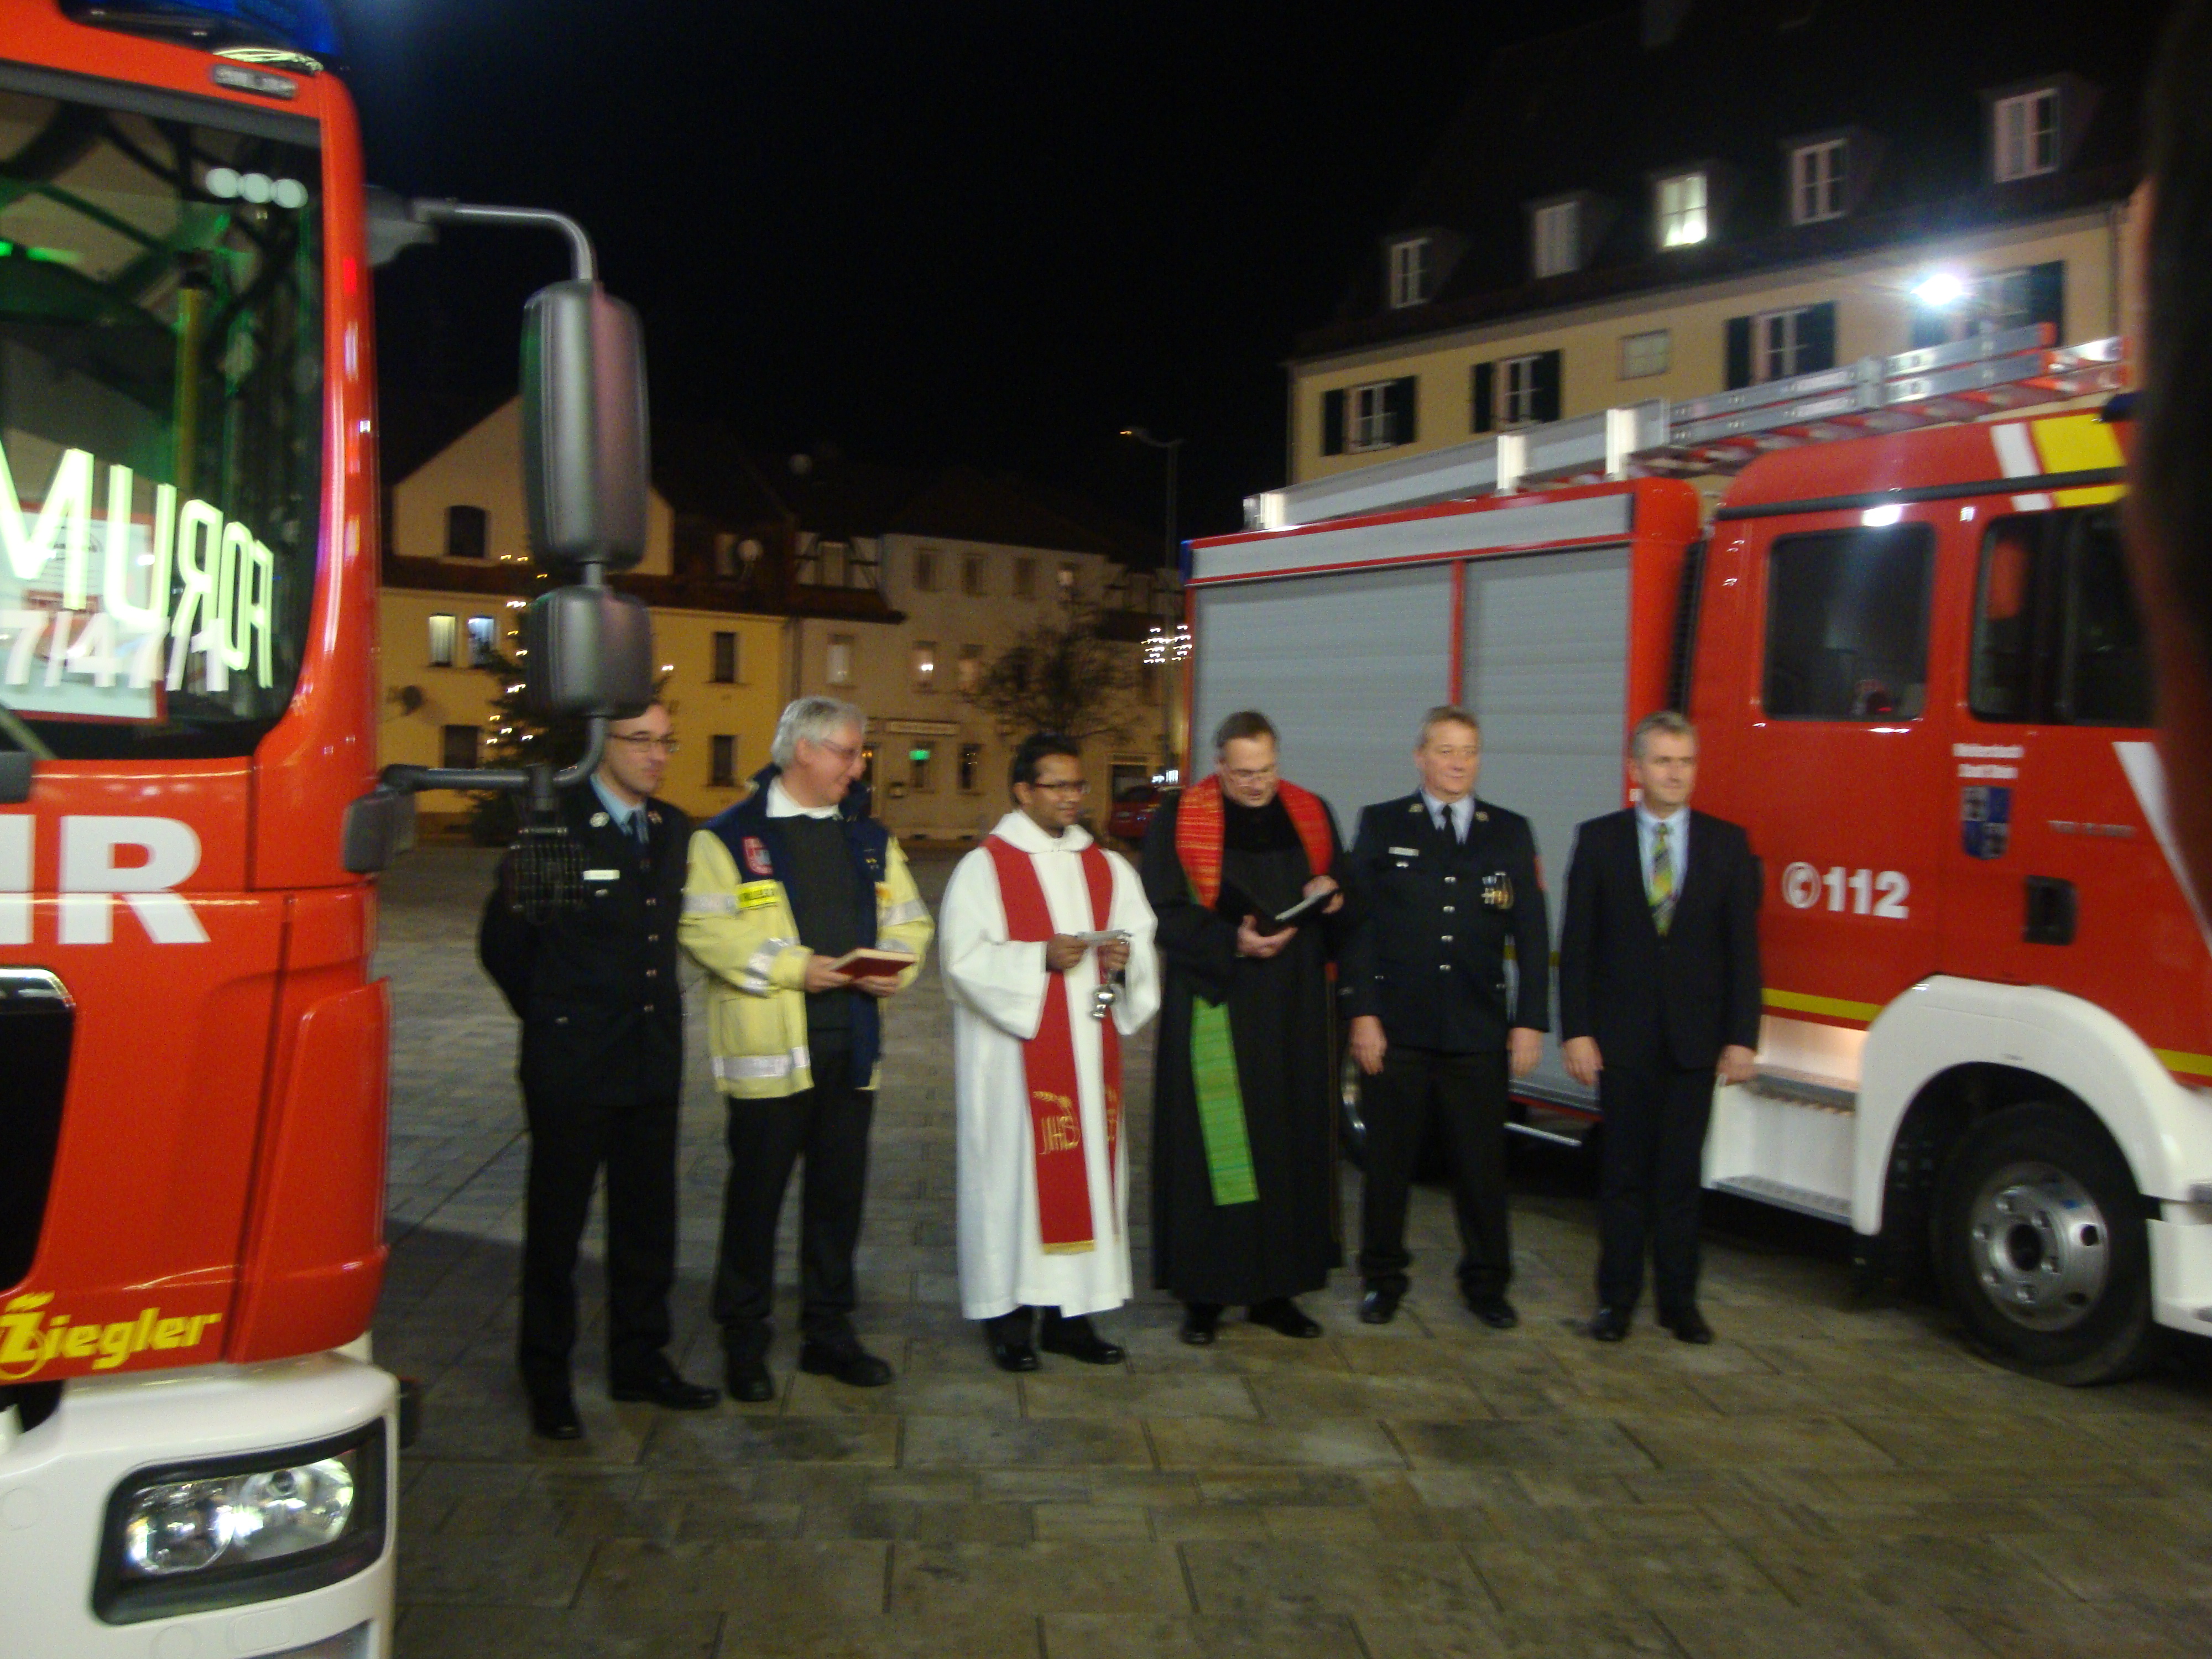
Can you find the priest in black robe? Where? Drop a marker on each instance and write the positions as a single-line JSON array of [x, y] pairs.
[[1244, 1183]]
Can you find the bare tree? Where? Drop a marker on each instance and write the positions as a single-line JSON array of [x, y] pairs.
[[1061, 676]]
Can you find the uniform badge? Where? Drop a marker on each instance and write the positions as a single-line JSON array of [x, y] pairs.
[[1498, 891], [757, 859]]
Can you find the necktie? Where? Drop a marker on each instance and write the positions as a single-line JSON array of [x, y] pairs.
[[1661, 883]]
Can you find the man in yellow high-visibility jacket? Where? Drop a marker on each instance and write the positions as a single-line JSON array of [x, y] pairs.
[[780, 886]]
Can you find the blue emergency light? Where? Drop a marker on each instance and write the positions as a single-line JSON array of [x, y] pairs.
[[303, 26]]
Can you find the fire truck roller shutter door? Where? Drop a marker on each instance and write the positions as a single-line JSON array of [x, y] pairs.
[[1547, 673], [1344, 664]]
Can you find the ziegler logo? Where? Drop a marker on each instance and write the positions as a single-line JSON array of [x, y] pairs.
[[30, 1340], [92, 879]]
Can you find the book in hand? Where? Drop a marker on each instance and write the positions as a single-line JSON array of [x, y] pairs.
[[1305, 908], [1234, 904], [868, 962]]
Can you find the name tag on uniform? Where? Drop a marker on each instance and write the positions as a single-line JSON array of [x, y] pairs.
[[602, 875], [756, 895], [1404, 851]]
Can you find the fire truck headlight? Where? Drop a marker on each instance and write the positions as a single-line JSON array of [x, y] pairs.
[[242, 1530]]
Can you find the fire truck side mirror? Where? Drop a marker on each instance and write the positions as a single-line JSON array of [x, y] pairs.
[[590, 653], [586, 470]]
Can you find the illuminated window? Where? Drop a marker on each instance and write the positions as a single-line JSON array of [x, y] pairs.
[[971, 768], [1557, 238], [838, 668], [971, 667], [1682, 219], [925, 665], [1816, 181], [444, 634], [484, 642], [1646, 354], [1067, 579], [2027, 135], [726, 658], [1409, 272]]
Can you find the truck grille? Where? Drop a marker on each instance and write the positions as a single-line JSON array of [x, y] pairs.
[[37, 1023]]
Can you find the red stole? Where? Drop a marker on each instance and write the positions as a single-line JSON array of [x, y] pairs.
[[1063, 1177], [1198, 833]]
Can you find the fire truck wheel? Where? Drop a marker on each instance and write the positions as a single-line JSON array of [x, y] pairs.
[[2040, 1243]]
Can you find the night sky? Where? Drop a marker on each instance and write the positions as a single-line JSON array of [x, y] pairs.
[[925, 231]]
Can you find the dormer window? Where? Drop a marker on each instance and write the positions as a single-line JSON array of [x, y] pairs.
[[1682, 201], [1819, 178], [2025, 136], [1410, 268], [1556, 233]]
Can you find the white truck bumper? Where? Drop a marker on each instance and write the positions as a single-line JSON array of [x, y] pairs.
[[2181, 1268], [55, 1482]]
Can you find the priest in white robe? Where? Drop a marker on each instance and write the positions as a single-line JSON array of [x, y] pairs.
[[1044, 1177]]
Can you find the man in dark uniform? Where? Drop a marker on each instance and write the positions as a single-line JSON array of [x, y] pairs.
[[1440, 882], [602, 1071]]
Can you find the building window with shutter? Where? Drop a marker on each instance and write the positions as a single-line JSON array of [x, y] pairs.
[[924, 657], [1645, 353], [468, 532], [457, 750], [1516, 391], [1557, 238], [1997, 302], [444, 634], [1817, 180], [925, 570], [726, 658], [1409, 272], [1682, 210], [2025, 135], [484, 642], [1380, 415], [721, 762], [971, 768], [837, 667], [971, 574], [1025, 579], [1777, 345]]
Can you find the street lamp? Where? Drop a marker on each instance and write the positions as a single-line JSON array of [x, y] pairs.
[[1165, 650]]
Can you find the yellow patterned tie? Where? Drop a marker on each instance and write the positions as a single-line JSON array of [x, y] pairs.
[[1661, 883]]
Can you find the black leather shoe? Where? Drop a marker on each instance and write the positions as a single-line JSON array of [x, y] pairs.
[[553, 1417], [1201, 1322], [1493, 1310], [748, 1379], [1281, 1314], [855, 1367], [664, 1388], [1076, 1340], [1609, 1325], [1689, 1326], [1379, 1306], [1012, 1354]]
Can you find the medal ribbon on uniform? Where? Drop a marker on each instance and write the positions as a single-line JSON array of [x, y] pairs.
[[1049, 1071]]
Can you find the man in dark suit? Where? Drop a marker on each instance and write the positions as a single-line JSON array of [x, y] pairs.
[[1659, 991], [1440, 882], [602, 1073]]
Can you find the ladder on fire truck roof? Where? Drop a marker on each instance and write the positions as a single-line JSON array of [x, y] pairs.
[[1965, 380]]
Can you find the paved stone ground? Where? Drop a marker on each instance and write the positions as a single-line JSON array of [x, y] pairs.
[[1823, 1480]]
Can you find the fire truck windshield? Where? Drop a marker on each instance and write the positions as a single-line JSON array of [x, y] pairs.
[[160, 418]]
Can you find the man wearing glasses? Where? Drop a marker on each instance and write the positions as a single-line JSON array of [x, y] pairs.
[[602, 1073], [782, 887], [1242, 872], [1048, 959]]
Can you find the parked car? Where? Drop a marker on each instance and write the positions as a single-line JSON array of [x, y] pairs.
[[1132, 813]]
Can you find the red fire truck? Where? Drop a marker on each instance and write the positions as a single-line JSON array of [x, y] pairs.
[[196, 1456], [1906, 638]]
